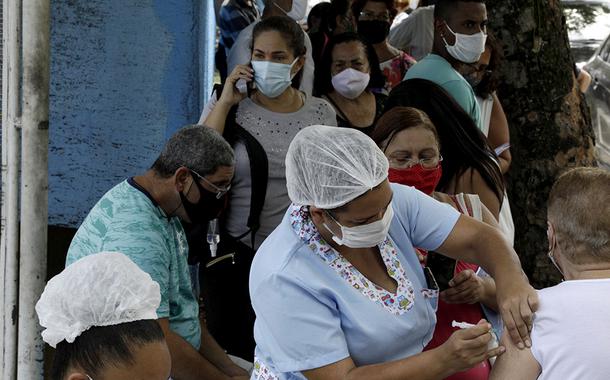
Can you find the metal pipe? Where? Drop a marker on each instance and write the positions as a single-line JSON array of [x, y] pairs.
[[11, 115], [4, 171], [34, 184]]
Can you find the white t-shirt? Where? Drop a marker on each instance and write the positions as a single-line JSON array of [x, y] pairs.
[[486, 105], [414, 34], [241, 54], [571, 334]]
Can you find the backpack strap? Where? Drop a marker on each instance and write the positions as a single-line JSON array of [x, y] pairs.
[[259, 167]]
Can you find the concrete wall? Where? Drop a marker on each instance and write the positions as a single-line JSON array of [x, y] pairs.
[[125, 74]]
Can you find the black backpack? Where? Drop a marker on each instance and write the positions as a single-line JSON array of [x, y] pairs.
[[224, 279]]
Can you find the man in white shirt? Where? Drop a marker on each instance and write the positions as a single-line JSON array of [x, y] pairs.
[[414, 34], [571, 332], [241, 52]]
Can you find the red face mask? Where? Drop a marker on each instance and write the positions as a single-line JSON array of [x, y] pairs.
[[424, 180]]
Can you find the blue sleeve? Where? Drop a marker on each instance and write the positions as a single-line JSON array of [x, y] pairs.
[[297, 328], [147, 249], [427, 221]]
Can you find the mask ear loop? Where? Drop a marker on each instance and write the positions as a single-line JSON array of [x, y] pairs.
[[171, 214], [452, 32], [552, 243], [335, 238]]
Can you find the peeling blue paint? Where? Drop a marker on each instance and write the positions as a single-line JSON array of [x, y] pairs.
[[125, 75]]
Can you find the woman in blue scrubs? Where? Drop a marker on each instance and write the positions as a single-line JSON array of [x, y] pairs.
[[337, 288]]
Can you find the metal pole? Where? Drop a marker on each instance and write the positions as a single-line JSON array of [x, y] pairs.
[[34, 188], [4, 170], [11, 116]]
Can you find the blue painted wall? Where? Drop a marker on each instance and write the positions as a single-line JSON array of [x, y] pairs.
[[125, 74]]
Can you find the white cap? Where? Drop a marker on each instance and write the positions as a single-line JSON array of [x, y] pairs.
[[102, 289], [327, 167]]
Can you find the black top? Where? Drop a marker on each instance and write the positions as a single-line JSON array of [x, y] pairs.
[[343, 121]]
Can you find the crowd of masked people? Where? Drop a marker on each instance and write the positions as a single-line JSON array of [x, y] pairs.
[[340, 212]]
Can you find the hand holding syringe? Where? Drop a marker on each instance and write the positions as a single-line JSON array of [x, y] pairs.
[[493, 343]]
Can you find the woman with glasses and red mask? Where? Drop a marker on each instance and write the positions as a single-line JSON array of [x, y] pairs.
[[411, 143]]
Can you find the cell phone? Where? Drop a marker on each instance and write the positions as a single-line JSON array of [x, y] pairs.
[[244, 86]]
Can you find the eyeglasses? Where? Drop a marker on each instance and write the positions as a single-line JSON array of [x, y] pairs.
[[220, 191], [367, 15], [426, 163]]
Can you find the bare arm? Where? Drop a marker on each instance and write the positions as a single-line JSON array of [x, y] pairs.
[[499, 133], [463, 350], [471, 182], [187, 363], [466, 286], [211, 350], [584, 81], [515, 363], [476, 242]]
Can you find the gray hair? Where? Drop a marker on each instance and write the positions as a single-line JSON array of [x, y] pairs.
[[579, 209], [196, 147]]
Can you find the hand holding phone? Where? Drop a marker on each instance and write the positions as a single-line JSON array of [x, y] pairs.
[[233, 90]]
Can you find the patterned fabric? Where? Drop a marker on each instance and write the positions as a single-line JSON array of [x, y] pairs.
[[233, 18], [128, 220], [397, 303], [395, 69], [261, 372]]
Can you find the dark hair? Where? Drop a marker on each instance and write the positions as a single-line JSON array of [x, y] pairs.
[[426, 3], [321, 11], [196, 147], [463, 145], [443, 9], [337, 8], [288, 28], [323, 77], [490, 82], [292, 34], [398, 119], [103, 346], [358, 6]]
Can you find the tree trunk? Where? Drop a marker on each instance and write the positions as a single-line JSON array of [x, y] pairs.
[[549, 120]]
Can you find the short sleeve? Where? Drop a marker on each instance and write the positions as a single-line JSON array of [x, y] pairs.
[[464, 95], [208, 108], [330, 116], [295, 327], [149, 251], [428, 221]]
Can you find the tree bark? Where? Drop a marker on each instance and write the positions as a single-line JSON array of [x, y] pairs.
[[549, 120]]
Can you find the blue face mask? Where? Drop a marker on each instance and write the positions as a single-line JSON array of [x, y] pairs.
[[272, 78]]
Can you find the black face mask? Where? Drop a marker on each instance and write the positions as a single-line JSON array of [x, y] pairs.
[[373, 31], [208, 207]]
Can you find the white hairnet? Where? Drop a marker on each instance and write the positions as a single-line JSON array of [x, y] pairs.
[[98, 290], [327, 167]]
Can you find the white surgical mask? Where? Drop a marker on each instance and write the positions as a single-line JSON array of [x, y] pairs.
[[367, 235], [272, 78], [468, 47], [297, 11], [351, 83]]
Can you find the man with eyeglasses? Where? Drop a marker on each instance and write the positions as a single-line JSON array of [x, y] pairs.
[[141, 217]]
